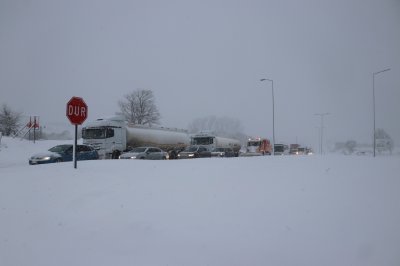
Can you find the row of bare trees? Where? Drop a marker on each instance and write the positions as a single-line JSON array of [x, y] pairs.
[[138, 107]]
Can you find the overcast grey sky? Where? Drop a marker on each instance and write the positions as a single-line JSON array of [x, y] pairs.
[[207, 57]]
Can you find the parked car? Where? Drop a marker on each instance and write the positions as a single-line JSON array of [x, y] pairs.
[[64, 153], [195, 151], [149, 153], [222, 152]]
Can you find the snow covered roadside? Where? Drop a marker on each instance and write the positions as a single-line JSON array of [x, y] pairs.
[[288, 210], [15, 152]]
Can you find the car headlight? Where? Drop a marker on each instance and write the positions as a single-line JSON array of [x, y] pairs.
[[127, 157], [191, 155]]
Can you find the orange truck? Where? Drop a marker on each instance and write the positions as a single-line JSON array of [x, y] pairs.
[[257, 147]]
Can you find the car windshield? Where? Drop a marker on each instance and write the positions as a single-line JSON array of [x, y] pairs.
[[60, 148], [192, 148], [137, 150]]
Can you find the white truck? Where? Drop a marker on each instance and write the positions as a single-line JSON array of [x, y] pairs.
[[258, 147], [111, 136], [212, 142]]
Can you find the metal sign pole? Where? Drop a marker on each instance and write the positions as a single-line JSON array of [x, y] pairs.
[[76, 112], [75, 145]]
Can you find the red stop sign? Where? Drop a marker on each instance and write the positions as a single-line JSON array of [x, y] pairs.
[[77, 110]]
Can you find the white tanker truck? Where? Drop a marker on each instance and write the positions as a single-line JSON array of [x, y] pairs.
[[212, 142], [111, 136]]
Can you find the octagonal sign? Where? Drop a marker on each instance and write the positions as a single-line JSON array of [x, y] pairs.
[[77, 110]]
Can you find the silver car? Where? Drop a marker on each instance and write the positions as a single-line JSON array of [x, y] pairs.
[[149, 153], [195, 151], [222, 152]]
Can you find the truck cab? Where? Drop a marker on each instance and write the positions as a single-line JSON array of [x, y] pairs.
[[257, 147], [107, 136]]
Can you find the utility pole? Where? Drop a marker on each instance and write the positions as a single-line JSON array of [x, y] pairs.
[[273, 115], [373, 104], [322, 131]]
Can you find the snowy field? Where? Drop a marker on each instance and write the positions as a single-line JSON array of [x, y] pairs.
[[288, 210]]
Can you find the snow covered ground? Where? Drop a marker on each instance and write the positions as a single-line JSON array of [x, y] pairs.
[[286, 210]]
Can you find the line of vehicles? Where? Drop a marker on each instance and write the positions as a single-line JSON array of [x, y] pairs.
[[113, 138]]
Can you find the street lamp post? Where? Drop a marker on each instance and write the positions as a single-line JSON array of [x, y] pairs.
[[373, 98], [321, 140], [273, 115]]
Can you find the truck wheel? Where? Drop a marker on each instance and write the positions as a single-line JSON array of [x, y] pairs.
[[115, 155], [172, 154]]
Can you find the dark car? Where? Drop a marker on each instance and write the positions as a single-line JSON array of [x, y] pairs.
[[151, 153], [64, 153], [222, 152], [195, 151], [281, 149]]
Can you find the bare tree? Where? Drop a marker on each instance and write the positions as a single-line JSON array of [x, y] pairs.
[[139, 107], [350, 146], [224, 126], [383, 141], [9, 120]]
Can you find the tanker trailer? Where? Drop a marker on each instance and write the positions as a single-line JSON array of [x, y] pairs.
[[112, 136]]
